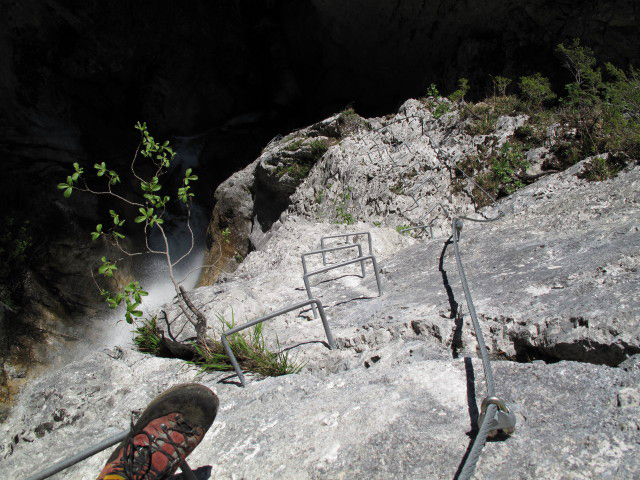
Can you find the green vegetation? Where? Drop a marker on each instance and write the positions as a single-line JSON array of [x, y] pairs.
[[438, 105], [318, 148], [433, 91], [349, 122], [496, 173], [297, 169], [597, 115], [397, 188], [500, 85], [151, 206], [146, 337], [441, 109], [295, 145], [603, 107], [484, 115], [536, 90], [463, 89], [343, 216], [600, 168], [506, 165], [248, 347], [226, 235], [342, 213], [299, 166], [250, 351]]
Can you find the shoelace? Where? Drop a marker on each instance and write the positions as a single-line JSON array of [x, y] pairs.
[[138, 456]]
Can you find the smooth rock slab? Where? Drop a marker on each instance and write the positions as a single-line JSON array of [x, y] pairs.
[[402, 421]]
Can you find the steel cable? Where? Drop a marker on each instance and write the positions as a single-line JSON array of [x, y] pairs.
[[478, 444], [481, 437]]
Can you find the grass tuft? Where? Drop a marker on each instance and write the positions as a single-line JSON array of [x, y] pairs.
[[251, 352], [146, 338]]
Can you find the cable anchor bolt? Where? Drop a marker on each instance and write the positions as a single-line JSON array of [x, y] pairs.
[[504, 418], [459, 223]]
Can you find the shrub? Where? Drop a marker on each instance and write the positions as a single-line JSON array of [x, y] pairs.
[[441, 109], [536, 89], [318, 148], [581, 62], [151, 206], [604, 109], [433, 91], [463, 89], [600, 168], [500, 85], [493, 175], [507, 165], [349, 122]]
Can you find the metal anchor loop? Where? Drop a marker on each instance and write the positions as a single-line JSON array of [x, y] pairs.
[[493, 401], [504, 418]]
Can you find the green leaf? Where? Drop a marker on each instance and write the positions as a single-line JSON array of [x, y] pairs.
[[102, 167], [118, 235], [67, 192], [62, 186], [95, 235]]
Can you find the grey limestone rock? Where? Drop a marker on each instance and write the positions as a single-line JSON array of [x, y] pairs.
[[554, 282]]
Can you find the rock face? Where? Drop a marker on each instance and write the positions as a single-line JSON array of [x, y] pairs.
[[554, 282], [395, 171], [223, 78]]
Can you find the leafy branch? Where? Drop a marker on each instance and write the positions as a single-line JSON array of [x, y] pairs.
[[151, 207]]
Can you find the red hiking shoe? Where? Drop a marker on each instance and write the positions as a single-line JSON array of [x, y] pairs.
[[168, 430]]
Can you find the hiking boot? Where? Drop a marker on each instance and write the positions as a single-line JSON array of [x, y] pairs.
[[168, 430]]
